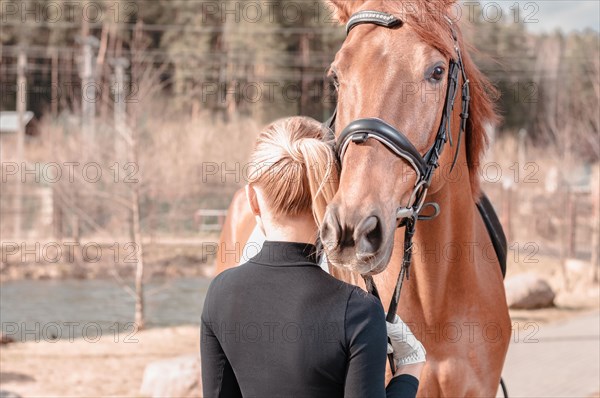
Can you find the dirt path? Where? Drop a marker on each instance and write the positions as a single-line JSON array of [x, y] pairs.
[[87, 369], [561, 359]]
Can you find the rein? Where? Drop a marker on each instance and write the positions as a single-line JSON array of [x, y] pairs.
[[361, 130]]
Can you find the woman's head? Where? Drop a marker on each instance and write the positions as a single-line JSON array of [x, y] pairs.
[[293, 170]]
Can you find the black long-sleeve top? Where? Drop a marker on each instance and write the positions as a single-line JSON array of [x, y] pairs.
[[280, 326]]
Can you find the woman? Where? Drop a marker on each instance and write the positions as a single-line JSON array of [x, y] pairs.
[[279, 325]]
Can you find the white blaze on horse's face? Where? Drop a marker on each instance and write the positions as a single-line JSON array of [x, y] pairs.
[[392, 75]]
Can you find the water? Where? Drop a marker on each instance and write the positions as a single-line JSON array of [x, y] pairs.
[[38, 310]]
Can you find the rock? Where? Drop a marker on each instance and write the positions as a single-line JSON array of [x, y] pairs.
[[176, 377], [528, 291], [8, 394]]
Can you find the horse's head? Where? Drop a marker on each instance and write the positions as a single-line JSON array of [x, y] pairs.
[[399, 74]]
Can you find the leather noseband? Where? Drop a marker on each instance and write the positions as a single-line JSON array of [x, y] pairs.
[[359, 131]]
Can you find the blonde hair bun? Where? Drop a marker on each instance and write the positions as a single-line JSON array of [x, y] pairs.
[[295, 165]]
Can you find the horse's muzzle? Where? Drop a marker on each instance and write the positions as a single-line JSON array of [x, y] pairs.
[[356, 244]]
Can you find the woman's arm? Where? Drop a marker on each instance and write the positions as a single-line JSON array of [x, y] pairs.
[[218, 379], [366, 337]]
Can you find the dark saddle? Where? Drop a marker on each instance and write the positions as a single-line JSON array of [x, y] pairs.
[[494, 228]]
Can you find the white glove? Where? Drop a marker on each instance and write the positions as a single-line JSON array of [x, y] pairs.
[[404, 345]]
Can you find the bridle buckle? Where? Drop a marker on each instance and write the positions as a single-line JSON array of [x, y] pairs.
[[360, 138]]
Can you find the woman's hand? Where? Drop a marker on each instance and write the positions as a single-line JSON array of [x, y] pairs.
[[409, 353]]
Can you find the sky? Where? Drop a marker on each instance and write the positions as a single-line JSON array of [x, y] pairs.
[[548, 15]]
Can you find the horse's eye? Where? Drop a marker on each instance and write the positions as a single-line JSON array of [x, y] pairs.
[[438, 74], [334, 80]]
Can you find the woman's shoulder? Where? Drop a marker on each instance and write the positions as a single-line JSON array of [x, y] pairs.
[[221, 286], [356, 295], [364, 303], [225, 278]]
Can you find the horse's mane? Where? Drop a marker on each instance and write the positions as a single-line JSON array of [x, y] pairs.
[[428, 20]]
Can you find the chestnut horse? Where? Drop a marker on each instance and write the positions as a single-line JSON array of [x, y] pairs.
[[454, 301]]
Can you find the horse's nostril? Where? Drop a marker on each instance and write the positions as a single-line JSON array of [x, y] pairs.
[[331, 229], [369, 236]]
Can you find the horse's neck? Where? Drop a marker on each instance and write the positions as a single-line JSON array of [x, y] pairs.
[[445, 251]]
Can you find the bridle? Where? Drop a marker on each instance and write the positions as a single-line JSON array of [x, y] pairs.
[[361, 130]]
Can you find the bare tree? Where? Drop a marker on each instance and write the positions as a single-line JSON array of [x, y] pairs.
[[145, 79]]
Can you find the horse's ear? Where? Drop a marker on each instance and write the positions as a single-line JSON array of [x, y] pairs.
[[343, 9]]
